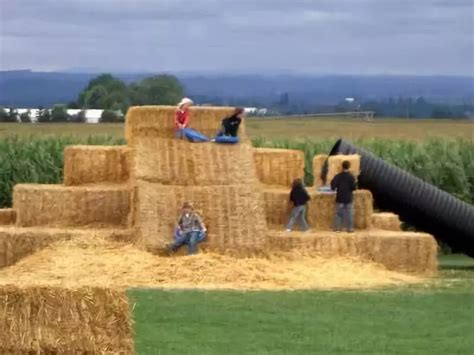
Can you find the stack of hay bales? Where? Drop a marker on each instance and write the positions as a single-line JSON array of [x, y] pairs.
[[279, 166], [386, 221], [220, 180], [7, 216], [42, 319], [335, 165]]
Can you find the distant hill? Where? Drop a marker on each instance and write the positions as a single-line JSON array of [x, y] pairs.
[[31, 89]]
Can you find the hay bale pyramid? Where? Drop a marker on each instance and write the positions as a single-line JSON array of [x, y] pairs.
[[134, 193]]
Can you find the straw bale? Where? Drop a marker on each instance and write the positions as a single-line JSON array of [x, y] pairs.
[[279, 166], [64, 206], [318, 163], [100, 263], [321, 208], [7, 216], [400, 251], [335, 165], [386, 221], [69, 321], [158, 121], [234, 214], [95, 164], [178, 162]]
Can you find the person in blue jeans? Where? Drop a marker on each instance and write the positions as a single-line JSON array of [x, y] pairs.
[[299, 197], [344, 183], [190, 226]]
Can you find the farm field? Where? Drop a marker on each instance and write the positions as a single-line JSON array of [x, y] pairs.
[[283, 128], [426, 319]]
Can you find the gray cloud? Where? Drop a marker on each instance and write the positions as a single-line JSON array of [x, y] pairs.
[[326, 36]]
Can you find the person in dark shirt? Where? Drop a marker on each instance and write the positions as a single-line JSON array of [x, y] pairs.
[[230, 125], [344, 183], [299, 197]]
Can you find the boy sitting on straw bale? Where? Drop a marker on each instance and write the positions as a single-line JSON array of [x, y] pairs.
[[182, 116], [299, 197], [191, 230], [344, 183], [230, 125]]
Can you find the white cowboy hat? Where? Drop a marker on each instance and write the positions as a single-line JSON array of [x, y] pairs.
[[185, 101]]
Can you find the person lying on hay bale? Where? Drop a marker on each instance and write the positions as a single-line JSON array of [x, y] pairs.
[[230, 127], [344, 183], [190, 230], [182, 116], [299, 197]]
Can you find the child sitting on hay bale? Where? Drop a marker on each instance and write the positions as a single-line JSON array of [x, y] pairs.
[[190, 230], [230, 127], [344, 183], [299, 197], [182, 116]]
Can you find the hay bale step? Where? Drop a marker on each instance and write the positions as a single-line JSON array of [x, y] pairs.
[[7, 216], [398, 251], [321, 208], [96, 164], [99, 206], [279, 166], [386, 221]]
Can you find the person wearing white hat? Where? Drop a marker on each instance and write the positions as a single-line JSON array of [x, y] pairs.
[[182, 116]]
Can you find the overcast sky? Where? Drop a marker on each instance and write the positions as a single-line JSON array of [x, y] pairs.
[[316, 36]]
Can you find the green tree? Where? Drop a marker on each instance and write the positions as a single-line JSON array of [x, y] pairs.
[[25, 117], [59, 114], [108, 116], [157, 90], [43, 116], [4, 116], [103, 98], [95, 97], [80, 117]]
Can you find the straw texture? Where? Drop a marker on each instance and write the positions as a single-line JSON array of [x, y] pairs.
[[279, 166], [50, 320], [318, 163], [321, 208], [95, 164], [400, 251], [335, 165], [386, 221], [57, 205], [7, 216], [158, 121]]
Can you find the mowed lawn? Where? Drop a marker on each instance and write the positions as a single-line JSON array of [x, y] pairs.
[[428, 319], [289, 128]]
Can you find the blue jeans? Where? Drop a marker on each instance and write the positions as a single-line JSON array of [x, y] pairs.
[[344, 215], [180, 134], [190, 238], [298, 213]]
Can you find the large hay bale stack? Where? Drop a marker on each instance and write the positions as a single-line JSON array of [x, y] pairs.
[[7, 216], [279, 166], [96, 164], [335, 165], [318, 163], [400, 251], [63, 206], [234, 214], [321, 209], [386, 221], [42, 319], [158, 121], [178, 162]]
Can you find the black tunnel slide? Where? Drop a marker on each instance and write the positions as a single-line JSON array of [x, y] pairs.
[[418, 203]]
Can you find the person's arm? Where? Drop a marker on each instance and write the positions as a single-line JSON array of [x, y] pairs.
[[334, 183], [186, 119], [179, 222], [201, 222]]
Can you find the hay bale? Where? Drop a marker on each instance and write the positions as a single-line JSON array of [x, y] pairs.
[[69, 321], [158, 121], [279, 166], [386, 221], [318, 163], [234, 214], [7, 216], [321, 209], [95, 164], [178, 162], [335, 165], [63, 206], [398, 251]]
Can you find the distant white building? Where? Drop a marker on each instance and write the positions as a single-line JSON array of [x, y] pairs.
[[92, 116]]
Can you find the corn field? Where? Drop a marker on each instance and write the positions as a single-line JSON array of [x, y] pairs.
[[446, 163]]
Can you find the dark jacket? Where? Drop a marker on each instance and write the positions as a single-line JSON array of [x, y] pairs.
[[344, 183], [231, 125], [299, 196]]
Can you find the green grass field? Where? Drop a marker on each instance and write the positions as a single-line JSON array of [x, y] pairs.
[[426, 319]]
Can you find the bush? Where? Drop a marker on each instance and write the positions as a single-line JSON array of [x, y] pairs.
[[108, 116]]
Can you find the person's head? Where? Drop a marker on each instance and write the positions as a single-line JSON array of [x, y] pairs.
[[297, 183], [187, 207], [346, 164], [185, 104], [239, 112]]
